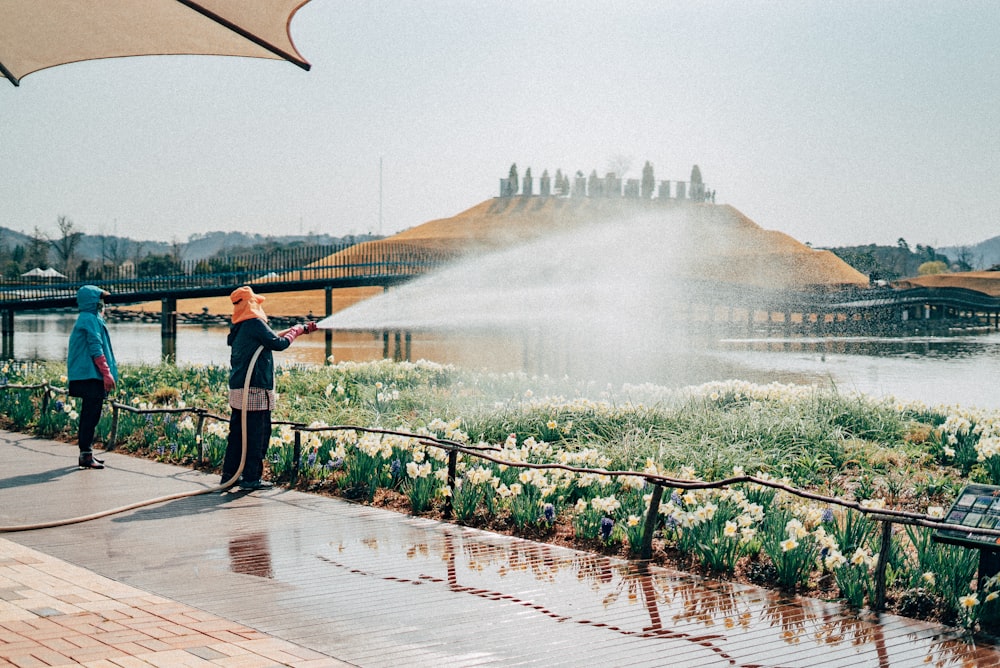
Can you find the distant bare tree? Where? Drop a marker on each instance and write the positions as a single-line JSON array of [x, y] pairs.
[[177, 251], [112, 253], [965, 259], [65, 245]]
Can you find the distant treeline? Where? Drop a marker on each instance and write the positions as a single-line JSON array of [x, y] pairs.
[[890, 263], [80, 256]]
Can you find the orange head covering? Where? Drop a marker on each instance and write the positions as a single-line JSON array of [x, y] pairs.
[[247, 304]]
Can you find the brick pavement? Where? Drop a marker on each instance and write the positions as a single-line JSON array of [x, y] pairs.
[[55, 614]]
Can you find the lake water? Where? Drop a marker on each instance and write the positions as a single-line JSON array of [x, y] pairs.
[[962, 370]]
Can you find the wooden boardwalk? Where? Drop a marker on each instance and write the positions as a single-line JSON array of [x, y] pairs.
[[287, 578]]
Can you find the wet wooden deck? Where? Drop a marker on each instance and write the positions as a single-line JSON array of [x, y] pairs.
[[369, 587]]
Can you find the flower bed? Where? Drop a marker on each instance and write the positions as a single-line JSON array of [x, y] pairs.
[[550, 452]]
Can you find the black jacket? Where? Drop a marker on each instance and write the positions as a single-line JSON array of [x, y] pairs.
[[245, 337]]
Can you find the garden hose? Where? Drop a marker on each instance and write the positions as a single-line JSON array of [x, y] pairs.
[[169, 497]]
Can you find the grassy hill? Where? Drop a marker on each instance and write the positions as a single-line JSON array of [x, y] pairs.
[[715, 242]]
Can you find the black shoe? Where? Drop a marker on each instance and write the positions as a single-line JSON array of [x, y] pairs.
[[227, 476], [250, 485], [87, 461]]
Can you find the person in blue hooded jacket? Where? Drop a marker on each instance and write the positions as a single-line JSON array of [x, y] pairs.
[[90, 367]]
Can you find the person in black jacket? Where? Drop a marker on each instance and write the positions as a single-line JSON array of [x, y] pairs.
[[249, 332]]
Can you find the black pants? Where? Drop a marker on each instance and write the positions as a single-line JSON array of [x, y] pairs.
[[93, 394], [258, 439]]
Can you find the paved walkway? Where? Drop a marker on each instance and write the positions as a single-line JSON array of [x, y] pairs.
[[282, 578]]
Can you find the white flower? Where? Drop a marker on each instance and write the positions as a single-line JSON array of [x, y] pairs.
[[834, 560], [794, 529], [862, 557], [969, 601]]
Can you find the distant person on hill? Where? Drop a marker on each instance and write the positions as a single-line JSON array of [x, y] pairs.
[[91, 368], [249, 332]]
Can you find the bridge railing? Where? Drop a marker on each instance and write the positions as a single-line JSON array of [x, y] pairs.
[[311, 264]]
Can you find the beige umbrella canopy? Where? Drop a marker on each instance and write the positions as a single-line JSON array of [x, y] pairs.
[[36, 34]]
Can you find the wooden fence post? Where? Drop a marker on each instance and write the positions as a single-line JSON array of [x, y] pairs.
[[452, 471], [200, 437], [878, 605], [296, 456], [113, 434], [646, 552]]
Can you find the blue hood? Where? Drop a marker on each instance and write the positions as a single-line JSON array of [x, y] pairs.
[[88, 298]]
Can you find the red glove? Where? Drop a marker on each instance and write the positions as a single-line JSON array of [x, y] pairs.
[[294, 332], [310, 327], [101, 362]]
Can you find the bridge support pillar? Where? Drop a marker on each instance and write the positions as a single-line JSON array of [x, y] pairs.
[[168, 329], [7, 327]]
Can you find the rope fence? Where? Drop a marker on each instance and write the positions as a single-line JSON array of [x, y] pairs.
[[886, 516]]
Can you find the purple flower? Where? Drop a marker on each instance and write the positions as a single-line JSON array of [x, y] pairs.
[[827, 515], [59, 406], [311, 459], [395, 467], [670, 522], [335, 464], [549, 512], [675, 498], [607, 524]]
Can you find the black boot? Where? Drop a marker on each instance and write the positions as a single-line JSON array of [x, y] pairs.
[[87, 461]]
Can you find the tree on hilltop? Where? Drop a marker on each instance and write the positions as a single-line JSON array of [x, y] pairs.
[[695, 175], [648, 181]]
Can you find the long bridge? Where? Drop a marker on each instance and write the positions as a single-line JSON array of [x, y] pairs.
[[308, 268], [749, 311]]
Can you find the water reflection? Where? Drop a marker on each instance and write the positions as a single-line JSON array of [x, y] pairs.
[[250, 554], [723, 623]]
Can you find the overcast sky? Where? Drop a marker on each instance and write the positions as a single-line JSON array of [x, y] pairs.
[[838, 123]]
